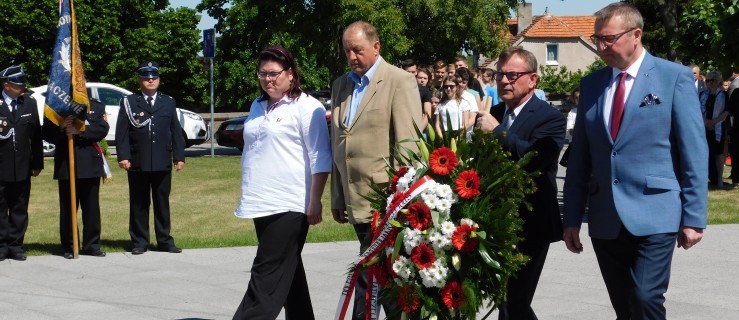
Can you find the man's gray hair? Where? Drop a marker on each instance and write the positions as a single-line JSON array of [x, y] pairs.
[[629, 14], [368, 30], [527, 56]]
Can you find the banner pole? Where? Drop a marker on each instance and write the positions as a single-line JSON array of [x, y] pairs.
[[73, 197]]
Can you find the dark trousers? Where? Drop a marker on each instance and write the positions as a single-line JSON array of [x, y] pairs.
[[636, 271], [522, 285], [277, 274], [145, 187], [392, 311], [88, 198], [13, 215], [734, 153]]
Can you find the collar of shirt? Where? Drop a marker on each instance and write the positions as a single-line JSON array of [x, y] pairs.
[[364, 81], [153, 98], [633, 71], [7, 99], [517, 109], [266, 106], [358, 93]]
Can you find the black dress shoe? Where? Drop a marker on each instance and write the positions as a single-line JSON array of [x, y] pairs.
[[68, 255], [18, 256], [3, 256], [138, 250], [98, 253], [173, 249]]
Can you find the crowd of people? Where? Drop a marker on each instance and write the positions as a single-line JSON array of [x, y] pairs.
[[719, 107]]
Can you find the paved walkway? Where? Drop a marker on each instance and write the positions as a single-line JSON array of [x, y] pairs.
[[209, 283]]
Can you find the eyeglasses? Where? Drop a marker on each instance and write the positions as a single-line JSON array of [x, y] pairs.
[[449, 86], [269, 75], [610, 39], [711, 80], [511, 75]]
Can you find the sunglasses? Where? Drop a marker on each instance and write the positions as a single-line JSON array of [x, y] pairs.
[[449, 86], [711, 80]]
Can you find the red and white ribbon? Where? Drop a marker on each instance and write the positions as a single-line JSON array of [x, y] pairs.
[[376, 247]]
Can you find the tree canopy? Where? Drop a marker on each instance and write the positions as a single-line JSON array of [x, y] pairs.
[[425, 30], [692, 31], [115, 37]]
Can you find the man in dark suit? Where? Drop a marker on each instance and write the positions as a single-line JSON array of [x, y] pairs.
[[89, 168], [21, 156], [639, 158], [149, 141], [527, 125]]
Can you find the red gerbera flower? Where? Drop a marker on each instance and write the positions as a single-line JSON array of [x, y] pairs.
[[463, 240], [468, 184], [452, 295], [408, 300], [419, 215], [423, 256], [394, 183], [442, 161]]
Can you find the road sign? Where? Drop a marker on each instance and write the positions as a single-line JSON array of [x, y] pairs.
[[209, 43]]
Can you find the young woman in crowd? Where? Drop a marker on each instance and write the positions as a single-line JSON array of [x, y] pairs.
[[453, 109]]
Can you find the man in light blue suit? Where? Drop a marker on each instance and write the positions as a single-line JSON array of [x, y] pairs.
[[639, 159]]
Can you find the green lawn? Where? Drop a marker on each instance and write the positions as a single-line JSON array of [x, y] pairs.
[[204, 196], [203, 199]]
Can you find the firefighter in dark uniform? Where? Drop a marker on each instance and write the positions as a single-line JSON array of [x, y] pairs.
[[149, 142], [21, 156], [90, 167]]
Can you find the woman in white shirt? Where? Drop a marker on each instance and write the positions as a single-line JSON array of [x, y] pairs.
[[285, 164], [453, 109]]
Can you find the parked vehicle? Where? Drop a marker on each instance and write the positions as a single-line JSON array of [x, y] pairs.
[[231, 132], [194, 128]]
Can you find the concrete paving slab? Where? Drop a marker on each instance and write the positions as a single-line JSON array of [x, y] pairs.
[[209, 283]]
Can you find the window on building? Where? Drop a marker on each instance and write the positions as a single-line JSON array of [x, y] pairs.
[[552, 54]]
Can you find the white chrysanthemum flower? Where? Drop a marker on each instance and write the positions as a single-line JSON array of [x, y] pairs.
[[439, 242], [402, 185], [435, 275], [443, 191], [411, 239], [410, 175], [448, 228], [436, 239], [444, 205], [431, 201], [402, 267]]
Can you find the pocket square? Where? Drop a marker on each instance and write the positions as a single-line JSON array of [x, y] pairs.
[[649, 100]]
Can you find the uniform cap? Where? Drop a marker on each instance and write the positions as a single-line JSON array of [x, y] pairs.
[[148, 70], [14, 74]]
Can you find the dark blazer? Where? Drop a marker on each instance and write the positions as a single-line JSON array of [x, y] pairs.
[[18, 159], [88, 162], [153, 147], [541, 128]]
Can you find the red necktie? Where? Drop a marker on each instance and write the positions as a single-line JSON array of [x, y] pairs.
[[618, 105]]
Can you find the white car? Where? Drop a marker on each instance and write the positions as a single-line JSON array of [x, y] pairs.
[[194, 128]]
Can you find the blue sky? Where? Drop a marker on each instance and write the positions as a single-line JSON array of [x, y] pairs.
[[555, 7]]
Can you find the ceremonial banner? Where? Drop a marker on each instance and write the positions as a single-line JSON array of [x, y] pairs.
[[66, 94]]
